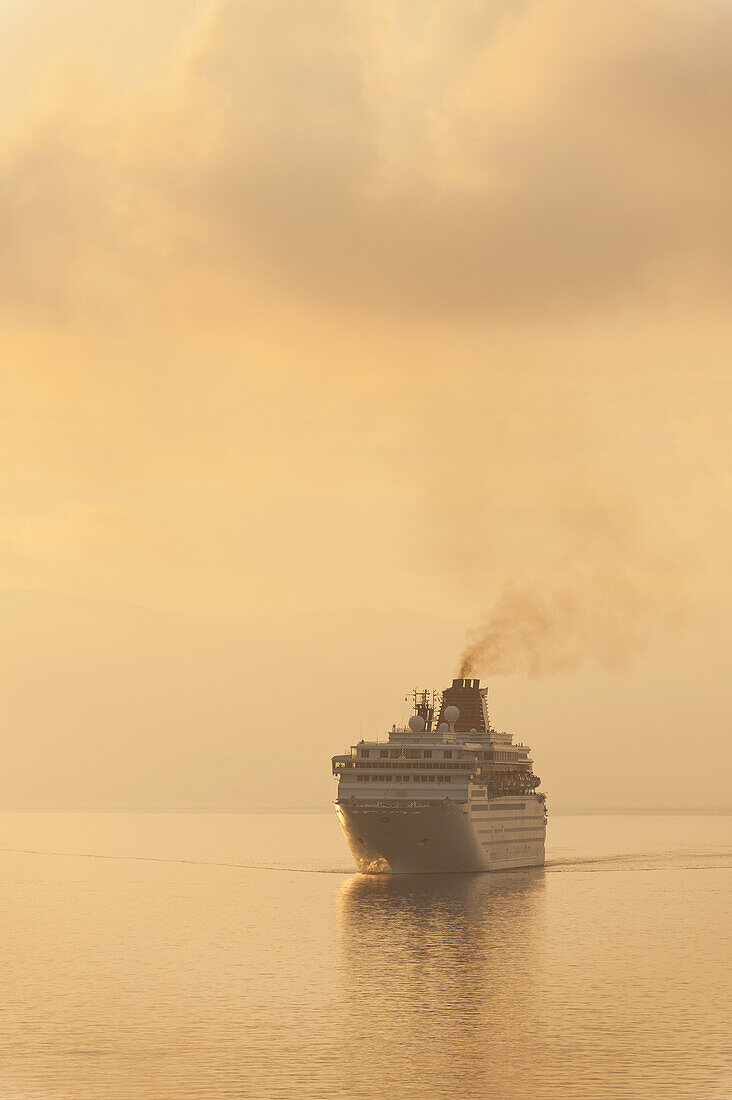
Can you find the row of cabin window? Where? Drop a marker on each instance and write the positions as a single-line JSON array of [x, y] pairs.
[[426, 754], [405, 778], [410, 754], [402, 764]]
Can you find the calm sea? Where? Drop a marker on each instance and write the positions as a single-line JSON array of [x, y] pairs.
[[202, 955]]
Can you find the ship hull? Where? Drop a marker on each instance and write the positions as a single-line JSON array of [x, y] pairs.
[[434, 838]]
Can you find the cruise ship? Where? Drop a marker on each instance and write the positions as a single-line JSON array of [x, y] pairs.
[[450, 794]]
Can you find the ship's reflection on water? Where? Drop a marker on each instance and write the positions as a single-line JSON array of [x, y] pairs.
[[440, 970], [478, 903]]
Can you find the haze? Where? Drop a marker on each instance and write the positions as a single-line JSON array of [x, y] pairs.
[[337, 338]]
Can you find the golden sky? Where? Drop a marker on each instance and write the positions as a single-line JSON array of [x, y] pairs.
[[310, 308]]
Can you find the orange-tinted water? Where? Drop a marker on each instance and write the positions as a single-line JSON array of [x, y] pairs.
[[182, 956]]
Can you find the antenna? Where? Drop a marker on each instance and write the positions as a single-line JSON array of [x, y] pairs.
[[424, 706]]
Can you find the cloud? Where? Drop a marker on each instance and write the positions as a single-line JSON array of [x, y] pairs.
[[545, 157]]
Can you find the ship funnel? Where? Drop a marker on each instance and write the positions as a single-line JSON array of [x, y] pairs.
[[468, 699]]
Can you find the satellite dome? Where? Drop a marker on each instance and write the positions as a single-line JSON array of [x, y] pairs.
[[473, 730], [443, 728], [452, 714], [416, 723]]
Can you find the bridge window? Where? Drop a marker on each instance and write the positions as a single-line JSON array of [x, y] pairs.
[[383, 752]]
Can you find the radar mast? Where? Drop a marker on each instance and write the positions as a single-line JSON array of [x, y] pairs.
[[425, 702]]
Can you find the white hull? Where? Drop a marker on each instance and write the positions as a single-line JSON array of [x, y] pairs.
[[441, 836]]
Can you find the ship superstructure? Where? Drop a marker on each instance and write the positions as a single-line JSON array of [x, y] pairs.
[[450, 794]]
